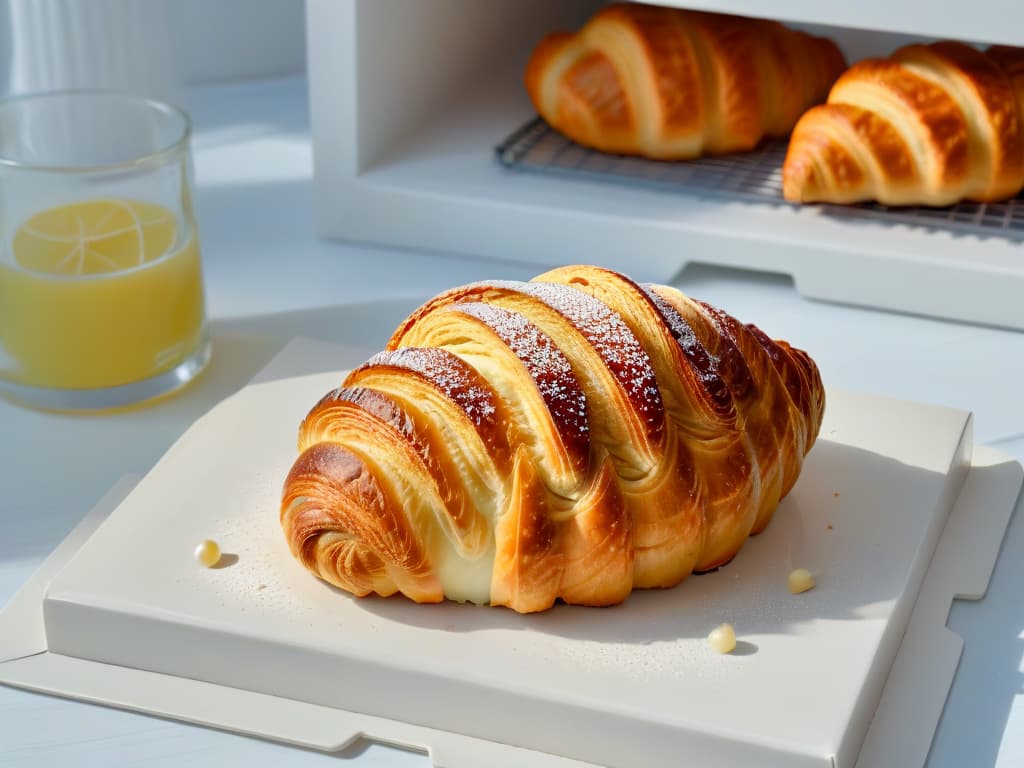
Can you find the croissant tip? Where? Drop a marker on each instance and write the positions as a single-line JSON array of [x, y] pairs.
[[799, 180]]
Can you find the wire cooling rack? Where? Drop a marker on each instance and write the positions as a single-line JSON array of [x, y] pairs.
[[751, 176]]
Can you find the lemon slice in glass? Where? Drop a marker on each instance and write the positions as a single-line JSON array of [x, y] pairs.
[[94, 237]]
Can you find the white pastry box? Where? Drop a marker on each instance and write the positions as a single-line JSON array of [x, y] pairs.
[[896, 513], [424, 138]]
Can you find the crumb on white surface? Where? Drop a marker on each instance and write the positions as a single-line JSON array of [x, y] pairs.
[[207, 553], [722, 638], [800, 580]]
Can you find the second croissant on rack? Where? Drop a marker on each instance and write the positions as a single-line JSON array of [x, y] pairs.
[[674, 84], [569, 438], [929, 125]]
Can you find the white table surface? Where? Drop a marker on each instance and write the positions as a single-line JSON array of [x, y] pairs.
[[268, 278]]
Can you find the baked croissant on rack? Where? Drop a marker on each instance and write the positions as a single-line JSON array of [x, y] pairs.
[[930, 125], [673, 84], [571, 437]]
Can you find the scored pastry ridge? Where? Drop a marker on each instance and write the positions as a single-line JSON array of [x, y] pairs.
[[569, 438]]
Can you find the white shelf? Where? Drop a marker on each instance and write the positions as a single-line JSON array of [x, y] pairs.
[[396, 168], [444, 190]]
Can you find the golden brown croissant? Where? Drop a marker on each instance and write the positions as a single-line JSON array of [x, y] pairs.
[[668, 83], [571, 437], [930, 125]]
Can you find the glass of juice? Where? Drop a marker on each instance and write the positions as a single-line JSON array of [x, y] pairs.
[[101, 289]]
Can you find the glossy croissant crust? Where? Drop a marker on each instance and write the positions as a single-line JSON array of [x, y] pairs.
[[929, 125], [571, 438], [675, 84]]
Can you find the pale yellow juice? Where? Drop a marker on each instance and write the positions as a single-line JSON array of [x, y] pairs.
[[98, 294]]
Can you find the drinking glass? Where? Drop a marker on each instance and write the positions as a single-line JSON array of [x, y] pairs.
[[101, 288]]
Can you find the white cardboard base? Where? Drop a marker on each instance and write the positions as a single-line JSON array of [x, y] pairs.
[[922, 672]]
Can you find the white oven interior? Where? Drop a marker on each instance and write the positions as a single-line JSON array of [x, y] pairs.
[[410, 101]]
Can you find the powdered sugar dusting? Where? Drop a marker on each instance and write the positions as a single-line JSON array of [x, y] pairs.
[[456, 379], [702, 363], [547, 366], [612, 339], [378, 405], [731, 362]]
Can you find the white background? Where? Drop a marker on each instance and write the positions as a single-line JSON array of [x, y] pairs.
[[63, 43]]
